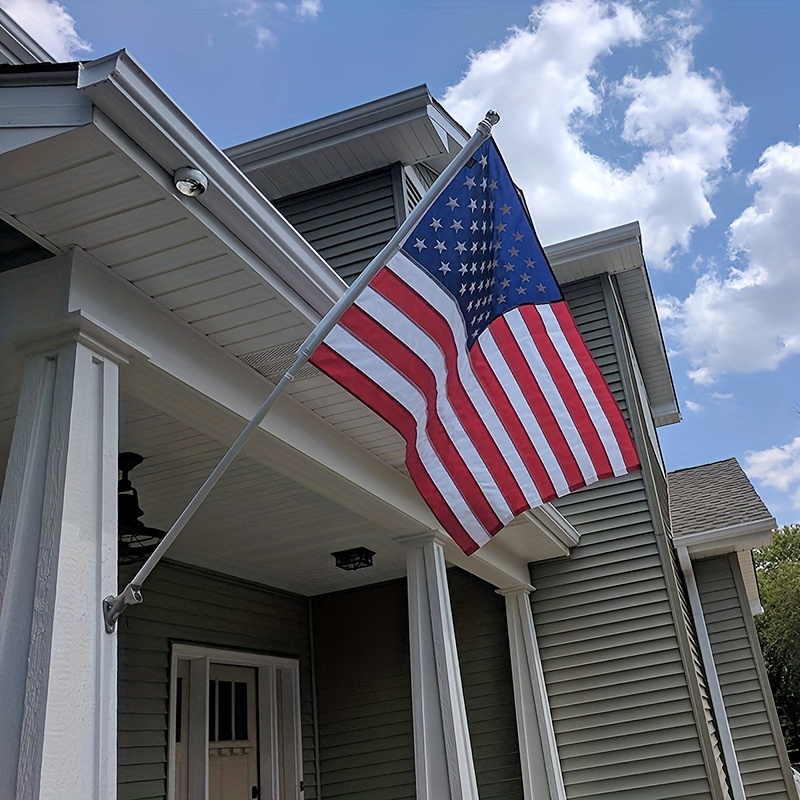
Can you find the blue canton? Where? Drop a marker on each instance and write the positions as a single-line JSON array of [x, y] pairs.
[[477, 240]]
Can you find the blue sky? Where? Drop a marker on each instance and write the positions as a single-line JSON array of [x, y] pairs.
[[683, 115]]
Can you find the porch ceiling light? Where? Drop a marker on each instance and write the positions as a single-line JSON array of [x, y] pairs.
[[190, 181], [135, 540], [353, 559]]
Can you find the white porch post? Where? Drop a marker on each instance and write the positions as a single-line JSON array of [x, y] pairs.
[[442, 751], [58, 554], [541, 770]]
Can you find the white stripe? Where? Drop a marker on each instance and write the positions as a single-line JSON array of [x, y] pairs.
[[422, 283], [551, 393], [408, 332], [374, 367], [506, 378], [593, 407]]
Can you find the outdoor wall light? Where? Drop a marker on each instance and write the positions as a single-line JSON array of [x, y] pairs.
[[353, 559], [135, 540], [190, 181]]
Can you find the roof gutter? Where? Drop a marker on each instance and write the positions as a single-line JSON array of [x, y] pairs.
[[124, 93], [730, 539]]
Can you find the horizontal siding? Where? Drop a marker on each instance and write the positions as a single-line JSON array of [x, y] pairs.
[[754, 738], [347, 222], [183, 604], [619, 694], [619, 698], [363, 686], [479, 618]]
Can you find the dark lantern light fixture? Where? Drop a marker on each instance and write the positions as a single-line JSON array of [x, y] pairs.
[[354, 558], [135, 540]]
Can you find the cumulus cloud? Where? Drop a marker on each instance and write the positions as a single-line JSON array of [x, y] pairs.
[[49, 23], [745, 318], [309, 9], [259, 15], [546, 81], [692, 406], [778, 467]]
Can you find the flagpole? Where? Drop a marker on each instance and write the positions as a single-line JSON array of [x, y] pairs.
[[114, 606]]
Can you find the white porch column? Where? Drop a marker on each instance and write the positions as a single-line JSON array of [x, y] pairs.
[[58, 554], [541, 770], [442, 751]]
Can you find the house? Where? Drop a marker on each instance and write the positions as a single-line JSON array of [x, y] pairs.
[[586, 651]]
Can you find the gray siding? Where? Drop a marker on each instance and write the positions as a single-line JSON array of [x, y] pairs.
[[347, 222], [363, 678], [614, 662], [183, 604], [479, 617], [756, 737]]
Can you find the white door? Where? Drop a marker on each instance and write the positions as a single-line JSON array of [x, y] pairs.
[[232, 733]]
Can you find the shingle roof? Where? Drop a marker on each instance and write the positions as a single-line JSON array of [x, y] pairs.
[[712, 496]]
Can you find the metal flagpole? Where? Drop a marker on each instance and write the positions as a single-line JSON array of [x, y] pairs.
[[113, 607]]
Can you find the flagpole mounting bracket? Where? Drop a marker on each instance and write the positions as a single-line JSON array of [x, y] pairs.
[[114, 606]]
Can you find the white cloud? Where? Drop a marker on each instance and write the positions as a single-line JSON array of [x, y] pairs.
[[778, 467], [692, 406], [546, 82], [309, 9], [264, 36], [49, 23], [746, 318]]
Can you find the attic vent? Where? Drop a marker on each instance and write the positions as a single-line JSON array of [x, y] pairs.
[[273, 363], [413, 195]]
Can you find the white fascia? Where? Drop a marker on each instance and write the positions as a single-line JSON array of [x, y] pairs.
[[126, 95], [730, 539], [18, 46]]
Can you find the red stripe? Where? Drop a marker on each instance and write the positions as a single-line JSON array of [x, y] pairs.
[[512, 423], [598, 384], [425, 315], [518, 364], [569, 392], [417, 372], [383, 404]]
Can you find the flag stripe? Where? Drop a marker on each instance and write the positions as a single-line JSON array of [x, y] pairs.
[[463, 390], [379, 400], [563, 382], [599, 387], [430, 408]]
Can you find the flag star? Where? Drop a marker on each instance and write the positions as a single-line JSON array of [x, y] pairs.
[[501, 298], [474, 268], [484, 160], [518, 236], [502, 227], [461, 247], [472, 287], [513, 252], [529, 263], [484, 246], [469, 306], [473, 204], [509, 267], [492, 186], [484, 183], [474, 247], [525, 277], [420, 245], [463, 288], [440, 246], [469, 182], [436, 224], [506, 209], [491, 205], [445, 268], [453, 203], [464, 268], [505, 283], [541, 287], [521, 289], [456, 226], [474, 226], [497, 245]]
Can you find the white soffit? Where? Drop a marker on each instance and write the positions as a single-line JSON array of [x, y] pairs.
[[407, 128], [618, 252]]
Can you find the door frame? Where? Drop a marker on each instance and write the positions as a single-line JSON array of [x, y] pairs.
[[274, 674]]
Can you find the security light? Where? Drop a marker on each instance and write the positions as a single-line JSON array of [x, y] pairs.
[[190, 181]]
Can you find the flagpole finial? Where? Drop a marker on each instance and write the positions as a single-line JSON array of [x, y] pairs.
[[491, 119]]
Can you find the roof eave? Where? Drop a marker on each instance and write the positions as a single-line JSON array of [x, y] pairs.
[[730, 539], [586, 256], [125, 94], [17, 45]]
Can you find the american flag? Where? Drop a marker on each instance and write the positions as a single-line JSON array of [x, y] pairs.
[[464, 344]]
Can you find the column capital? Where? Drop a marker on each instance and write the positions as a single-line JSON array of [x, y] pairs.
[[416, 540], [80, 328], [513, 591]]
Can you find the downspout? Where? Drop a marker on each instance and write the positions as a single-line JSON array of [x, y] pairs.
[[712, 678]]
